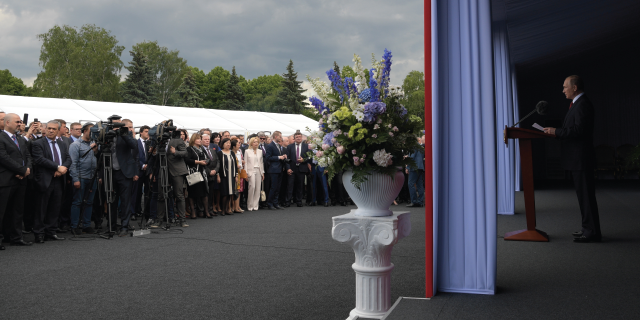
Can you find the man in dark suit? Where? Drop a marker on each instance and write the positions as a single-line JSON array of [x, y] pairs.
[[578, 156], [213, 166], [267, 182], [65, 211], [124, 157], [275, 158], [140, 186], [51, 157], [298, 168], [15, 167]]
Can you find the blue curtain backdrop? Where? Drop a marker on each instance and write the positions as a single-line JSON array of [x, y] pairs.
[[506, 114], [464, 128]]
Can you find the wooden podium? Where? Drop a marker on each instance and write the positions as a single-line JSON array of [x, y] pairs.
[[526, 161]]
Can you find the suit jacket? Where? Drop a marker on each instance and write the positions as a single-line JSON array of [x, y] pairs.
[[143, 155], [44, 161], [13, 161], [291, 154], [213, 163], [66, 140], [127, 154], [251, 160], [576, 136], [175, 162], [274, 150]]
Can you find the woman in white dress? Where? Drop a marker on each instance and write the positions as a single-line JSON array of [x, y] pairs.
[[255, 172]]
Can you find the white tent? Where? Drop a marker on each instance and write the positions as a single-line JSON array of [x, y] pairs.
[[192, 119]]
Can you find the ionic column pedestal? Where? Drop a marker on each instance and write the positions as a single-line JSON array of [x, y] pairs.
[[372, 239]]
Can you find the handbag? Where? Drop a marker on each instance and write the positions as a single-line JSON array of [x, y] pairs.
[[195, 176], [243, 174], [263, 195]]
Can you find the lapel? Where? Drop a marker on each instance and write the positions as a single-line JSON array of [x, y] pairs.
[[10, 140], [571, 110]]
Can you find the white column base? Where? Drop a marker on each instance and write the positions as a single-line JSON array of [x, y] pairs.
[[372, 239]]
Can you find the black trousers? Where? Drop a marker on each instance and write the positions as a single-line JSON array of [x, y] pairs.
[[337, 191], [295, 182], [11, 210], [64, 217], [29, 205], [45, 220], [584, 183], [274, 188], [122, 196]]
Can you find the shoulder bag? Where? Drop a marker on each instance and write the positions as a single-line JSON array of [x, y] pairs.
[[195, 176]]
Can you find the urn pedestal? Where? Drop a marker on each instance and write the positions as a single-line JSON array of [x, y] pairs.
[[372, 239]]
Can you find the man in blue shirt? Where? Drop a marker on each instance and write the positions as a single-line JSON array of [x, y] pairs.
[[83, 167]]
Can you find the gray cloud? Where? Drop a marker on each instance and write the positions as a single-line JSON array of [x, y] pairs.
[[258, 37]]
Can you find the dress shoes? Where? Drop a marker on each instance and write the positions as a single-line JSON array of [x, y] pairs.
[[39, 239], [577, 234], [583, 239], [299, 204], [2, 247], [278, 207], [343, 203], [21, 243], [52, 238], [272, 208]]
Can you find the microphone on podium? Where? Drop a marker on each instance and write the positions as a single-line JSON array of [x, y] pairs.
[[541, 108]]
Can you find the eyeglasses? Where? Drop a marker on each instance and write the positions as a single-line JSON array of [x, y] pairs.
[[263, 138]]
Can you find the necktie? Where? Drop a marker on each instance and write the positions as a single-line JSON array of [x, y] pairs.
[[56, 158], [209, 153], [15, 141], [297, 151], [571, 105]]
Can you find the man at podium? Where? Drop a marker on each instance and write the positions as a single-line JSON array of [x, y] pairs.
[[578, 156]]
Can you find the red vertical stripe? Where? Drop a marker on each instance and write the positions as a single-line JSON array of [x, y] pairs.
[[428, 153]]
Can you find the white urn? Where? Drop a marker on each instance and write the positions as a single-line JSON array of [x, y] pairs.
[[375, 195]]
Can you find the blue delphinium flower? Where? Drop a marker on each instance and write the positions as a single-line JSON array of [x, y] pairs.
[[327, 138], [402, 111], [336, 82], [386, 71], [349, 86], [372, 110], [318, 104], [373, 86], [365, 95]]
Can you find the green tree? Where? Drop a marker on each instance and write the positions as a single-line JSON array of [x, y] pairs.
[[234, 97], [167, 66], [261, 93], [213, 87], [139, 85], [79, 63], [290, 97], [413, 88], [188, 92], [12, 86]]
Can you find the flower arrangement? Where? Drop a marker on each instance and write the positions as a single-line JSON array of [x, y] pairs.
[[364, 127]]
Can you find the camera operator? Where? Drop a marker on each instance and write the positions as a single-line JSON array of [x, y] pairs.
[[124, 154], [83, 167], [176, 152]]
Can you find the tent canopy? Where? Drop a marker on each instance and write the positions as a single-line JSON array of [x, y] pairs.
[[192, 119]]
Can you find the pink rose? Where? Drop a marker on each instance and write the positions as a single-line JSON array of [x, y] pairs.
[[356, 161], [374, 136], [319, 154], [361, 160], [364, 156], [333, 140], [325, 146], [391, 134], [353, 152], [340, 150], [395, 129], [375, 127], [390, 162]]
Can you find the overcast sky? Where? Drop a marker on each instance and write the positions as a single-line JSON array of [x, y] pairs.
[[258, 37]]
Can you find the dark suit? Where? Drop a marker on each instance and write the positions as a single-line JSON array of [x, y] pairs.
[[274, 169], [300, 170], [578, 156], [142, 185], [67, 198], [14, 161], [212, 164], [177, 172], [51, 188], [126, 155]]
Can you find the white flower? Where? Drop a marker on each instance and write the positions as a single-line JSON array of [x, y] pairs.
[[382, 158], [376, 127]]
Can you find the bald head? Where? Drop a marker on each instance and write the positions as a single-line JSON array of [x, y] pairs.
[[12, 122], [2, 115]]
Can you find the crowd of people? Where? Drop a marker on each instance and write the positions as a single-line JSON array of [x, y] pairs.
[[52, 178]]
